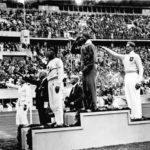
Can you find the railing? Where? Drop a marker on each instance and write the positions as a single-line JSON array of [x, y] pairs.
[[83, 12]]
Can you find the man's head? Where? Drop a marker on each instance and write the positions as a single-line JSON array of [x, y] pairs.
[[82, 38], [21, 80], [42, 75], [74, 79], [130, 47], [50, 55]]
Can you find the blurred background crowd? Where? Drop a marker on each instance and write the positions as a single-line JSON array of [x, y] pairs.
[[43, 24], [110, 70], [59, 24]]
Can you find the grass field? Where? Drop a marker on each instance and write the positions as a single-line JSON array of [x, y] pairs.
[[11, 144]]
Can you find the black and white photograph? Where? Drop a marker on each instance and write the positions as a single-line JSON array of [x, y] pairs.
[[74, 75]]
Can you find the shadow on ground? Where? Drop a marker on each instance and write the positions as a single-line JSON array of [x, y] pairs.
[[132, 146], [11, 144], [8, 144]]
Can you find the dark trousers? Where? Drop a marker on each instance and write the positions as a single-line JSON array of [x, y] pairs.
[[89, 89], [44, 116]]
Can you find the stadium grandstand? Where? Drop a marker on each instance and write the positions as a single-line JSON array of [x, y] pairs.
[[29, 28], [57, 23]]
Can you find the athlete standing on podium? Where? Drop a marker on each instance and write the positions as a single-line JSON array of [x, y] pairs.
[[133, 77], [89, 70], [55, 86]]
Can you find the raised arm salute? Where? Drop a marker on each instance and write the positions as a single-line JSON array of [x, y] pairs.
[[119, 56], [133, 76]]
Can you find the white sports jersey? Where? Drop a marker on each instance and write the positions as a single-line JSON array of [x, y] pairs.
[[24, 95], [132, 62], [55, 69]]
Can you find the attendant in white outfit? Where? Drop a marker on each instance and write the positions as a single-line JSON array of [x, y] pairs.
[[23, 103], [133, 75], [55, 86]]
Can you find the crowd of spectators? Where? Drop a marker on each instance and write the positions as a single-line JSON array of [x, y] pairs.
[[110, 70], [10, 65], [10, 46], [60, 24], [66, 25]]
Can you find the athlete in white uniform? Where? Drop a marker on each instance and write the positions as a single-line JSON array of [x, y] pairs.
[[24, 101], [55, 86], [133, 75]]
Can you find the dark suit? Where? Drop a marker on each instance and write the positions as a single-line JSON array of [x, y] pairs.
[[75, 99], [41, 97], [88, 64]]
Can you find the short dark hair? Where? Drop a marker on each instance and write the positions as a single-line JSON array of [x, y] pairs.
[[80, 40], [50, 54], [132, 44]]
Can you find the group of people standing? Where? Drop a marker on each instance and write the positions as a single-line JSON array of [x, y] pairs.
[[49, 90], [49, 85], [133, 69]]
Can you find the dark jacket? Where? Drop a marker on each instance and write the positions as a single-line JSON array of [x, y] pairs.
[[41, 91], [88, 58], [75, 96]]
